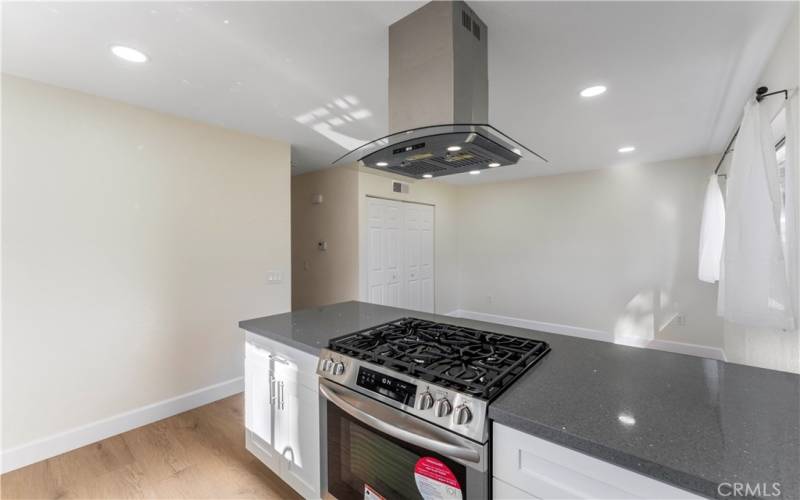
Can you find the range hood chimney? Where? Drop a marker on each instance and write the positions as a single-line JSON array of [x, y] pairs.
[[439, 99], [438, 67]]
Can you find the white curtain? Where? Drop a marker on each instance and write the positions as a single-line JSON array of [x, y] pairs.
[[712, 232], [753, 287]]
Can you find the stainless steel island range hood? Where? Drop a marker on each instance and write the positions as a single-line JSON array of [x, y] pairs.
[[439, 99]]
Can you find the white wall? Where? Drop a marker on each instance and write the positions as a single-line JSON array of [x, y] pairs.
[[592, 250], [766, 347], [133, 243], [325, 277]]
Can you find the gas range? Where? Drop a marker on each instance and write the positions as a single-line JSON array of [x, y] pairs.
[[444, 374]]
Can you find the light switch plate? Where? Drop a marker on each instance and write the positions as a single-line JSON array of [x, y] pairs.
[[274, 277]]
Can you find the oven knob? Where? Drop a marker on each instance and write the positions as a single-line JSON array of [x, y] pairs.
[[338, 368], [326, 364], [443, 408], [462, 415], [425, 401]]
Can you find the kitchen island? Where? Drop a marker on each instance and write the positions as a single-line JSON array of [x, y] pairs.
[[701, 425]]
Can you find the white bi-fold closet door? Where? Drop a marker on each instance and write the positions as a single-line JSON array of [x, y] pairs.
[[400, 254]]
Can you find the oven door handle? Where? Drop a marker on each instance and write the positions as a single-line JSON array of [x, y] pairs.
[[399, 425]]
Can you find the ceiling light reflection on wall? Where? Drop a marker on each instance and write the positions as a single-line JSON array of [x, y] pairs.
[[323, 118], [128, 54], [360, 114], [593, 91], [626, 149]]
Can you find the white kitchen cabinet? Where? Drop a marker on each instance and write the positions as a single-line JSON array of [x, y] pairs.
[[503, 490], [525, 466], [282, 412], [259, 388]]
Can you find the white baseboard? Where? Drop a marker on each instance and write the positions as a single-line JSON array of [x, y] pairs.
[[574, 331], [50, 446], [703, 351], [588, 333]]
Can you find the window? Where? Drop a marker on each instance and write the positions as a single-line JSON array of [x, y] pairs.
[[779, 130]]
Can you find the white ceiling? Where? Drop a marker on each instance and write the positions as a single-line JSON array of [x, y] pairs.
[[678, 73]]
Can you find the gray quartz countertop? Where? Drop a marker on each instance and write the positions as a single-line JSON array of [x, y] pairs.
[[692, 422]]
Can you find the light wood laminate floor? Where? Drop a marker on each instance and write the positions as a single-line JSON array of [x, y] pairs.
[[197, 454]]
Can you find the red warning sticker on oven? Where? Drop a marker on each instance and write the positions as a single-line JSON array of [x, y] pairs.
[[435, 480]]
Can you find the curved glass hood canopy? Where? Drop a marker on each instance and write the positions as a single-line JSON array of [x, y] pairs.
[[440, 150]]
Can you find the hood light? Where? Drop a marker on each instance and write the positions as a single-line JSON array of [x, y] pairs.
[[454, 148], [626, 149], [593, 91], [427, 176], [381, 164], [474, 172], [494, 164], [129, 54]]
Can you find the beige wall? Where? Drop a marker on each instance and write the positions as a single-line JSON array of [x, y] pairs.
[[766, 347], [443, 197], [133, 243], [592, 250], [325, 277]]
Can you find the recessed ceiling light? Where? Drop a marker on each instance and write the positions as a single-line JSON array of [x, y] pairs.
[[454, 148], [382, 164], [593, 91], [427, 176], [474, 172], [129, 54], [494, 164], [626, 149]]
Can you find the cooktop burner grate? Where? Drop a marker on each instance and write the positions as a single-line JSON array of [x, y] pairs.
[[475, 362]]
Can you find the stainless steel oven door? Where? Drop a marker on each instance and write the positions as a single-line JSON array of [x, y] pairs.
[[373, 451]]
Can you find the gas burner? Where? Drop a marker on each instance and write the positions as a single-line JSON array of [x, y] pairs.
[[472, 361]]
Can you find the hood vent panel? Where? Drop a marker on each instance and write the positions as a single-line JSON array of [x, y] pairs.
[[432, 150]]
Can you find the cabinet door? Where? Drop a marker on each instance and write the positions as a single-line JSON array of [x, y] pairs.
[[259, 389], [298, 430], [504, 491]]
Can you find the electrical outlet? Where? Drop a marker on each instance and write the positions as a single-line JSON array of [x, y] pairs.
[[489, 299], [680, 320]]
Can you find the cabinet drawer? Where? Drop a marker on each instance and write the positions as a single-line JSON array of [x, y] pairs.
[[305, 364], [548, 470]]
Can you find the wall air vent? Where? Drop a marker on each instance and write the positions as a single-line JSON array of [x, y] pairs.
[[399, 187]]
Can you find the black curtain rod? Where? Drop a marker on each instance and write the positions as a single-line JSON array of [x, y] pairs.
[[761, 93]]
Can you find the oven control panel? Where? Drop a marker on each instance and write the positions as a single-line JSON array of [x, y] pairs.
[[452, 410], [385, 385]]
